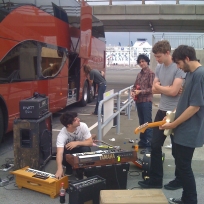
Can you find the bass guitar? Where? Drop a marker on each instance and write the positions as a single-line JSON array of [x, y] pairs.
[[169, 118]]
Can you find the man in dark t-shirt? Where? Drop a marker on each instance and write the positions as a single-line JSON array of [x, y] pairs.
[[189, 121], [95, 76]]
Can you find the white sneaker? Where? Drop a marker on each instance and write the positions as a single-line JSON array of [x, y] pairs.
[[168, 146]]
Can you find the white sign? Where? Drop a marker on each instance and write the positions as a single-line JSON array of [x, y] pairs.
[[108, 110]]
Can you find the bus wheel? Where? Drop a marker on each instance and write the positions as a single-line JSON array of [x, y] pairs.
[[84, 99], [1, 125], [91, 94]]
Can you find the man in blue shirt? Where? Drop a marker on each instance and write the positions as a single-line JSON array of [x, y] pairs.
[[189, 121]]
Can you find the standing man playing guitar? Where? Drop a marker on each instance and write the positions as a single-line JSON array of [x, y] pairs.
[[167, 82], [189, 121]]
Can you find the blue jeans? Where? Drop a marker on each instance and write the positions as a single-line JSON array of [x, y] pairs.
[[183, 158], [144, 111], [156, 171], [101, 91]]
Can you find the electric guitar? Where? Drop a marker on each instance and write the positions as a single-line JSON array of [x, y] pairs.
[[169, 118]]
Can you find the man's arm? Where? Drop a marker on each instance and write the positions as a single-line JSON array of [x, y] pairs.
[[188, 113], [59, 158], [154, 90], [73, 144], [172, 90]]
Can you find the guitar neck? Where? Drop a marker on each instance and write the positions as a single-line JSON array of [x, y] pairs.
[[156, 124]]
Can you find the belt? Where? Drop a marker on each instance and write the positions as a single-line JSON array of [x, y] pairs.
[[102, 83], [162, 111]]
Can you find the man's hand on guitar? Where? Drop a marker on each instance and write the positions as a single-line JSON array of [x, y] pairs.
[[168, 126]]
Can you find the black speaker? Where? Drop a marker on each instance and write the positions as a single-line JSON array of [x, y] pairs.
[[32, 142], [86, 190], [115, 174]]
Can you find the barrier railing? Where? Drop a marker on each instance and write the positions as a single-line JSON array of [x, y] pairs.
[[126, 106]]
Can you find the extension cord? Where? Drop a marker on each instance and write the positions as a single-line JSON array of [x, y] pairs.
[[6, 169]]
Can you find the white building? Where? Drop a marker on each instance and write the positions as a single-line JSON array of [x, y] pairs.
[[127, 56]]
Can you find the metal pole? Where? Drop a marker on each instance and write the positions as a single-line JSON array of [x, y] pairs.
[[129, 49], [118, 116], [110, 2]]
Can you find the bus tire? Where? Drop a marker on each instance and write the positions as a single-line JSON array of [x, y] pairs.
[[91, 93], [84, 99], [1, 125]]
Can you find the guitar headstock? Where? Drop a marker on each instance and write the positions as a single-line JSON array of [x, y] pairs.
[[141, 128]]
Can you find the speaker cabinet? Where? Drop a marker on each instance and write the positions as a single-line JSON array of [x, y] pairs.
[[32, 142], [115, 174]]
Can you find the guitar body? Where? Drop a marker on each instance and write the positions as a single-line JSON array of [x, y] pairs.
[[170, 116]]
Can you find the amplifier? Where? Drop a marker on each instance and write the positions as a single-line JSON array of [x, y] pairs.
[[32, 142], [86, 190], [34, 107], [115, 174]]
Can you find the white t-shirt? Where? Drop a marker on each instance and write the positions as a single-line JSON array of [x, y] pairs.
[[81, 133]]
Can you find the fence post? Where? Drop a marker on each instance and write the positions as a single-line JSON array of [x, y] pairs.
[[118, 115]]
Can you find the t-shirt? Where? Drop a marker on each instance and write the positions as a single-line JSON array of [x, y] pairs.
[[96, 76], [166, 76], [191, 132], [81, 133]]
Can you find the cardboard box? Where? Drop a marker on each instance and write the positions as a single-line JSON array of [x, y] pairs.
[[150, 196]]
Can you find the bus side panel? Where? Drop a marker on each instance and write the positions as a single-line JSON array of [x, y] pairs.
[[29, 22]]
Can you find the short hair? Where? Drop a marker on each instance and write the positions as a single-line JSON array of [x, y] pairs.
[[67, 118], [143, 57], [162, 46], [183, 51], [87, 69]]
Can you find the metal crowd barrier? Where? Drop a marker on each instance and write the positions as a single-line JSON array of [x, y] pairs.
[[126, 106]]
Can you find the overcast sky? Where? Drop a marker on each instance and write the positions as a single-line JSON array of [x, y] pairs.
[[124, 38]]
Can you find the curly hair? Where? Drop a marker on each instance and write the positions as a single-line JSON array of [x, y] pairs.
[[143, 57], [162, 46], [67, 118], [183, 51]]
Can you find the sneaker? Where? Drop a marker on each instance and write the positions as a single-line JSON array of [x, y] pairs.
[[175, 201], [173, 185], [149, 184], [168, 146]]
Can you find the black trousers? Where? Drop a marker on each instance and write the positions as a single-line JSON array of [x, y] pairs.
[[183, 158], [156, 171], [80, 149]]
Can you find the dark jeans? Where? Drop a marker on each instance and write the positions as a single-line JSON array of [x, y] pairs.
[[156, 172], [144, 111], [75, 150], [183, 158], [101, 91]]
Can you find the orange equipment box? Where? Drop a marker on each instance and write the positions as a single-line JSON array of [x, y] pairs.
[[39, 181]]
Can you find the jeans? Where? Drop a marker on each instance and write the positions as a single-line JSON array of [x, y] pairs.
[[79, 149], [183, 157], [101, 91], [156, 170], [144, 111]]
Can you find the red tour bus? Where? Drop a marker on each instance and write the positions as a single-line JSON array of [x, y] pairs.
[[43, 49]]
